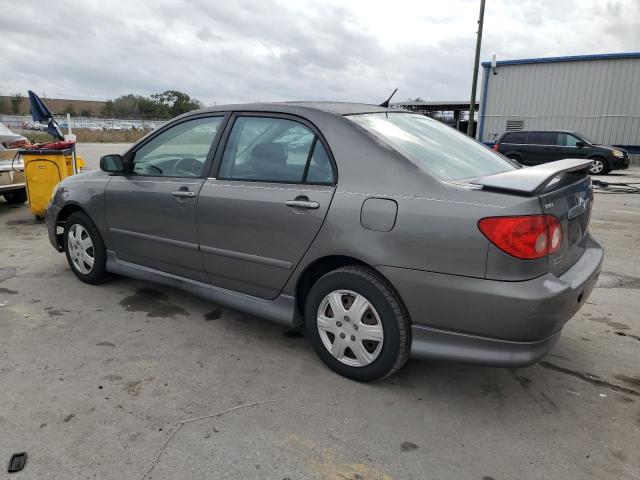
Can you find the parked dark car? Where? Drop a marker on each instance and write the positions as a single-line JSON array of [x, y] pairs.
[[536, 147], [389, 235]]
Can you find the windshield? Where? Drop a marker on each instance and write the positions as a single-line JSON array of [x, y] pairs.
[[436, 148], [585, 138]]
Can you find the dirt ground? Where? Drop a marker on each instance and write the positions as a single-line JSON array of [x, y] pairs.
[[93, 379]]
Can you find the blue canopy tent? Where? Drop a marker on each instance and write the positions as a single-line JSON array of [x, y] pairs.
[[40, 113]]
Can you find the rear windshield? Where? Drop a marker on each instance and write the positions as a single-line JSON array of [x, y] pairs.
[[436, 148]]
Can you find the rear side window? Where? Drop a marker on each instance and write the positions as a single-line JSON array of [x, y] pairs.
[[266, 149], [320, 170], [436, 148], [515, 137], [543, 138]]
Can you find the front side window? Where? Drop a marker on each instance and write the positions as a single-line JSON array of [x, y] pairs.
[[567, 140], [266, 149], [180, 151], [436, 148]]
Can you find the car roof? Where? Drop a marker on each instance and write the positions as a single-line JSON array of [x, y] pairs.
[[543, 131], [338, 108]]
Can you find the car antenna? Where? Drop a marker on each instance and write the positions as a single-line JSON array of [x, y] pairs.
[[386, 102]]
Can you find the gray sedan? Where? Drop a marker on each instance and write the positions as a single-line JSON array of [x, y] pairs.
[[388, 235]]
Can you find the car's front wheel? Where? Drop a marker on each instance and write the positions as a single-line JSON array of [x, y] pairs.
[[599, 166], [85, 249], [16, 196], [357, 325]]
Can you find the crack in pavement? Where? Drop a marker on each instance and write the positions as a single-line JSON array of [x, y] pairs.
[[590, 378]]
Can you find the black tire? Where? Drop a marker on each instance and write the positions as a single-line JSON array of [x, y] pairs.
[[395, 323], [16, 196], [98, 273], [600, 166]]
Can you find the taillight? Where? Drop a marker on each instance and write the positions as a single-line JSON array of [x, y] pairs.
[[495, 147], [527, 237]]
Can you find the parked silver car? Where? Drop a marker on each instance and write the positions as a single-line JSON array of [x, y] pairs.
[[391, 235]]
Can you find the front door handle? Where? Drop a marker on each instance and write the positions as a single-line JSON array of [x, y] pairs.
[[183, 194], [303, 203]]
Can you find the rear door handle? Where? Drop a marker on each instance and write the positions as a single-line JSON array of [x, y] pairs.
[[183, 194], [303, 203]]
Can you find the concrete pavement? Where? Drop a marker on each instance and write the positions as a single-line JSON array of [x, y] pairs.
[[93, 378]]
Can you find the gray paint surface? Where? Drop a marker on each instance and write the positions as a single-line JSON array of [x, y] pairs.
[[598, 98]]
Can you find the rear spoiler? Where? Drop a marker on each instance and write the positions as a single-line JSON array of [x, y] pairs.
[[531, 180]]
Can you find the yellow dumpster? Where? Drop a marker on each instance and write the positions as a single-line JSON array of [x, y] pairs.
[[43, 170]]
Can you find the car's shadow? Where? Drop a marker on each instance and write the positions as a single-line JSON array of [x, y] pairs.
[[544, 385]]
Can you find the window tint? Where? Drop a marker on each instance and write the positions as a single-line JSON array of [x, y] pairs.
[[180, 151], [515, 137], [266, 149], [567, 140], [543, 138], [436, 148], [320, 170]]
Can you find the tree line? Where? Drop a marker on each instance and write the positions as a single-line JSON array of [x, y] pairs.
[[168, 104]]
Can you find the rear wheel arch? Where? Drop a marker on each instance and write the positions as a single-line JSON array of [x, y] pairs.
[[321, 266]]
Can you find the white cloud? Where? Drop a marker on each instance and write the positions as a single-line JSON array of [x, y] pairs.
[[290, 49]]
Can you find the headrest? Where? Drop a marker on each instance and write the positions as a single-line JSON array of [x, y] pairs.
[[269, 155]]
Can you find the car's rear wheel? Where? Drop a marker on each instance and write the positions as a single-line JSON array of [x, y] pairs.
[[85, 249], [599, 166], [357, 325], [16, 196]]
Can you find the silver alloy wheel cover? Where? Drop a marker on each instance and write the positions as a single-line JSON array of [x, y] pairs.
[[349, 323], [597, 166], [80, 247]]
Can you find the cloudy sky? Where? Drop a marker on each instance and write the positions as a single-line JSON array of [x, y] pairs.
[[246, 50]]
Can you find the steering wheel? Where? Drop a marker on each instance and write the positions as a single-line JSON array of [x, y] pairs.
[[189, 166], [144, 168]]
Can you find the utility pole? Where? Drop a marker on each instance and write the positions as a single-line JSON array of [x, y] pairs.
[[474, 83]]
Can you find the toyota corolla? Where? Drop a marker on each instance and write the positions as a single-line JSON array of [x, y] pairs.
[[388, 234]]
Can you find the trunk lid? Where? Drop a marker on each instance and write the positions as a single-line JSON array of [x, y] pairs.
[[565, 191], [571, 204]]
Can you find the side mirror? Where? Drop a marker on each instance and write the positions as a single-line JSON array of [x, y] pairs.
[[112, 163], [580, 144]]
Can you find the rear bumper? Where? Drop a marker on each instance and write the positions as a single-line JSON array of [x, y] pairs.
[[492, 322], [433, 344]]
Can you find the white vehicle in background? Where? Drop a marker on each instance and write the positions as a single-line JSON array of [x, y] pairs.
[[12, 186], [94, 127], [31, 125]]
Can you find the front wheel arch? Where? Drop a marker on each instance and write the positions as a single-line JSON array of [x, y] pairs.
[[61, 219]]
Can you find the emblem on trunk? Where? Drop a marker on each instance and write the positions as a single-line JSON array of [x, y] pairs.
[[581, 206]]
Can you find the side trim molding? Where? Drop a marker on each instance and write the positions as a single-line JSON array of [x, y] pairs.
[[281, 310], [154, 238], [272, 262]]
